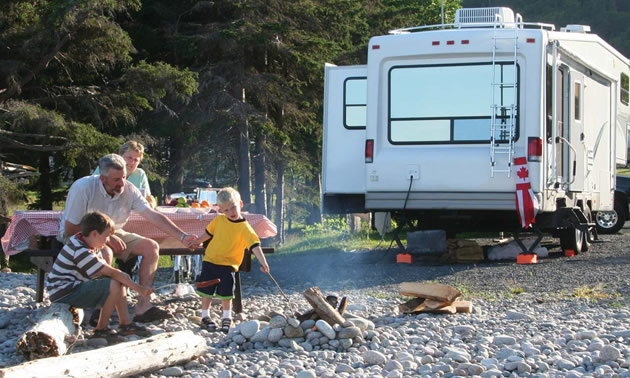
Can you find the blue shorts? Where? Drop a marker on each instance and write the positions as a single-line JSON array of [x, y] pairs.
[[88, 294], [222, 290]]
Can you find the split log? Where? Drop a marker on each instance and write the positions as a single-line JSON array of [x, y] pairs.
[[323, 308], [120, 360], [463, 306], [56, 328], [412, 305], [312, 315], [342, 306], [443, 293]]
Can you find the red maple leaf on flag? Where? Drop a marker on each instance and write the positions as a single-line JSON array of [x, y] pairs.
[[523, 173]]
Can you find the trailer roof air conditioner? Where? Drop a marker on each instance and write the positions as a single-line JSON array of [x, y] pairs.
[[576, 28], [475, 17]]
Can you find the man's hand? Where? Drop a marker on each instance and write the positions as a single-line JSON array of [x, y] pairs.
[[190, 241], [116, 244]]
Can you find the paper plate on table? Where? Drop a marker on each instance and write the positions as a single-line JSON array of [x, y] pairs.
[[184, 210]]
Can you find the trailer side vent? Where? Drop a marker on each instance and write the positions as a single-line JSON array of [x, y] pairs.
[[475, 17], [576, 29]]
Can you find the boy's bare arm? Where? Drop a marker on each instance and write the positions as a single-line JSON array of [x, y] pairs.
[[264, 267], [124, 279]]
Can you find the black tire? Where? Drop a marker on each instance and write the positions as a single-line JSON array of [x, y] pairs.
[[610, 222], [573, 239]]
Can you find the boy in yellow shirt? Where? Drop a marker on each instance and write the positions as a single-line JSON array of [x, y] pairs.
[[229, 234]]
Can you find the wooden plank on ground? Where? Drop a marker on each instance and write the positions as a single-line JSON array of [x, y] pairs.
[[438, 292], [412, 305]]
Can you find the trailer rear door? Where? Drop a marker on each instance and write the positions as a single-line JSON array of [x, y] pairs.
[[345, 104]]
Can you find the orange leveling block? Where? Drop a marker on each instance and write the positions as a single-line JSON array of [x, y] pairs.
[[569, 252], [403, 258], [527, 259]]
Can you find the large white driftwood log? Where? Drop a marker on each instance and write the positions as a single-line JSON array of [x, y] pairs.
[[55, 329], [322, 308], [121, 360]]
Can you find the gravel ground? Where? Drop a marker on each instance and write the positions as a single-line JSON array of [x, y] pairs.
[[606, 266], [541, 332]]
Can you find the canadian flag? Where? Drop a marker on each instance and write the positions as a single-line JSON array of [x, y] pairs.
[[526, 202]]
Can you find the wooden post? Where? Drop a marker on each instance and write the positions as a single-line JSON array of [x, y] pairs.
[[324, 309], [121, 360]]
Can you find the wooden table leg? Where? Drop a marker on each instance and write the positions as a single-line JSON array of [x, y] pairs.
[[237, 304]]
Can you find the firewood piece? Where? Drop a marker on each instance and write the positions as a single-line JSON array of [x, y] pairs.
[[463, 306], [55, 329], [412, 305], [321, 307], [305, 316], [342, 306], [120, 360], [448, 309], [438, 292]]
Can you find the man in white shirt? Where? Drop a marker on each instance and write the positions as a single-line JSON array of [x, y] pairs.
[[113, 195]]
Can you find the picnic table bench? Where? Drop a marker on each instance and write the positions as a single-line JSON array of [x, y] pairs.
[[44, 259]]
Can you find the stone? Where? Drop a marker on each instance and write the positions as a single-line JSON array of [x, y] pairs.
[[248, 329], [325, 328], [349, 333], [372, 357], [609, 353]]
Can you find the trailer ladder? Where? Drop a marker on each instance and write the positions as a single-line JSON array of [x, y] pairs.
[[503, 116]]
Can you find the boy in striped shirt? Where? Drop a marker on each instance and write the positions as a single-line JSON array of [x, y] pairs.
[[81, 278]]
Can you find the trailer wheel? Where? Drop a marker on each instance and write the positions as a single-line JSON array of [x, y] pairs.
[[571, 238], [610, 222]]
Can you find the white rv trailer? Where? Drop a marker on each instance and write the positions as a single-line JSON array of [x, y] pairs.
[[431, 126]]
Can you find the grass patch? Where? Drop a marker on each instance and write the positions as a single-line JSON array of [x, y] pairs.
[[591, 293], [326, 240]]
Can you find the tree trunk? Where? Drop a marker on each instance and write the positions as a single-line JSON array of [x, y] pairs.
[[244, 170], [57, 328], [177, 161], [315, 214], [121, 360], [260, 191], [45, 187], [280, 165]]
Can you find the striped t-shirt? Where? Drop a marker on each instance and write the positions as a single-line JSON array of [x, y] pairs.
[[76, 263]]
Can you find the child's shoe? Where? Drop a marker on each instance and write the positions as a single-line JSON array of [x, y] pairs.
[[208, 324], [226, 323]]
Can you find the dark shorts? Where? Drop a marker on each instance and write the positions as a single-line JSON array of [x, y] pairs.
[[222, 290], [88, 294]]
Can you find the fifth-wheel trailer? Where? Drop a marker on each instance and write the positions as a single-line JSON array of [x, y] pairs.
[[432, 126]]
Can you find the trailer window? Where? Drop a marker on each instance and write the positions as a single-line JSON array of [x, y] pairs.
[[450, 103], [624, 89], [355, 103]]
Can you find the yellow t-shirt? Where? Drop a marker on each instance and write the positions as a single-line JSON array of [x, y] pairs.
[[229, 241]]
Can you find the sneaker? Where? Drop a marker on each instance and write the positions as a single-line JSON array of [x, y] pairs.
[[226, 323], [110, 335], [133, 329], [208, 324]]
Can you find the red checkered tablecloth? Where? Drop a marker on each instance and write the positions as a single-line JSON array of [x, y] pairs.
[[25, 224]]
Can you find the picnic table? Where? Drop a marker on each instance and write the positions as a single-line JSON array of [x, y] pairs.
[[26, 225]]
